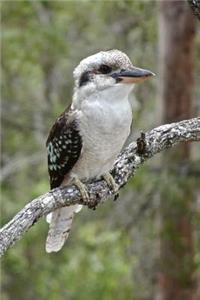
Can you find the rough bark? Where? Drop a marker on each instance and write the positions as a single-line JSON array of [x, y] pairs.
[[195, 6], [177, 32], [149, 144]]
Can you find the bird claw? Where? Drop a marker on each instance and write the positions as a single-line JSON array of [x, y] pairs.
[[116, 196], [84, 193], [93, 205], [111, 182], [82, 188]]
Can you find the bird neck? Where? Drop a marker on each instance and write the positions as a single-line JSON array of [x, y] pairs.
[[112, 95]]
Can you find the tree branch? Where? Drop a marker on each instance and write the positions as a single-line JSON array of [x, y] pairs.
[[149, 144], [195, 6]]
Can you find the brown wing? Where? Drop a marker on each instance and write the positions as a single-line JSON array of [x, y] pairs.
[[64, 146]]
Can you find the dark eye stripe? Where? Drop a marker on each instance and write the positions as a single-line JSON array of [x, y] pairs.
[[85, 77]]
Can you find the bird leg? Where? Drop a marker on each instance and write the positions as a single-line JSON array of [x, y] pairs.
[[82, 188], [111, 182], [84, 193]]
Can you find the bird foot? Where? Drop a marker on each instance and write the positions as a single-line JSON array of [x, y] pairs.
[[84, 193], [111, 182], [116, 196], [82, 188]]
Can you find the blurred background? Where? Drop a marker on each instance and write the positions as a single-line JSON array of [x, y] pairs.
[[146, 245]]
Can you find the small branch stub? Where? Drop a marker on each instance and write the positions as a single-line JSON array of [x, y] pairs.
[[141, 144]]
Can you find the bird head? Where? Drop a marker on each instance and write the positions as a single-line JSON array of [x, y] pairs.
[[107, 73]]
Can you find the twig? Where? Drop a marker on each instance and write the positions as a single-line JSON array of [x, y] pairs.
[[153, 142]]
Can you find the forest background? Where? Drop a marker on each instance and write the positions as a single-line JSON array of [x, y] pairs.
[[116, 251]]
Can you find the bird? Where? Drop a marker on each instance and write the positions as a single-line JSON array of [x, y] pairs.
[[87, 137]]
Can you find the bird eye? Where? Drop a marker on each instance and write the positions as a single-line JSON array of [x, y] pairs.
[[104, 69]]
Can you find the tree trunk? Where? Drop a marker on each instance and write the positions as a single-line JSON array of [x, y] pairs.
[[177, 32]]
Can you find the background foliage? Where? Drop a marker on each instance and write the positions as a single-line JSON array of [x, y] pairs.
[[112, 252]]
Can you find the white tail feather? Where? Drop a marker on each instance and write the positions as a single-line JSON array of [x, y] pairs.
[[60, 224]]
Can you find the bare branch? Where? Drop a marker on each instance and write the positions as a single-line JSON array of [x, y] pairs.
[[149, 144]]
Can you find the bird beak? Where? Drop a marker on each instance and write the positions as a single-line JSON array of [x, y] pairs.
[[133, 75]]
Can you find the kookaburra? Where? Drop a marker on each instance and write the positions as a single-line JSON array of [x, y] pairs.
[[86, 139]]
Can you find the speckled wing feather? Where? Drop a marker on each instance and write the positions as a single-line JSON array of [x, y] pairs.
[[64, 146]]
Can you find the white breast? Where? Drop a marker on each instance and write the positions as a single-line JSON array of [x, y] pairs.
[[104, 126]]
